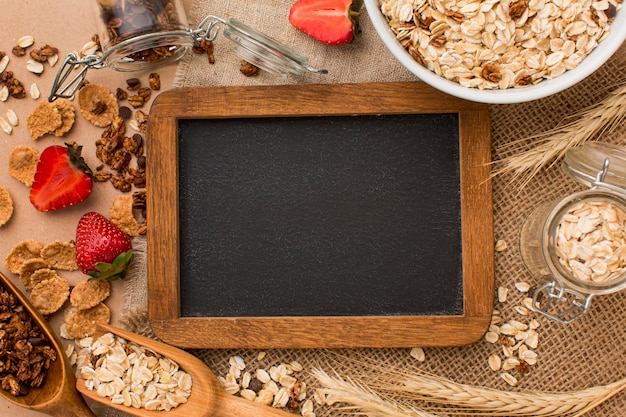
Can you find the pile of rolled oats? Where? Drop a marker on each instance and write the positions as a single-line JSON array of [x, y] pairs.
[[131, 375], [499, 44], [279, 387], [591, 241]]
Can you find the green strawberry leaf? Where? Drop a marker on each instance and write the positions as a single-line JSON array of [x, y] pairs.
[[115, 270]]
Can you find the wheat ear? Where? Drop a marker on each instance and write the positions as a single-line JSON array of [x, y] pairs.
[[477, 400], [362, 400], [592, 123]]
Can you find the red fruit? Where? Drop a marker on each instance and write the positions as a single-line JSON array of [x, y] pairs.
[[103, 251], [62, 178], [330, 21]]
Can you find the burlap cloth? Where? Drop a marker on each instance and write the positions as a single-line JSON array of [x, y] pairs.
[[588, 352]]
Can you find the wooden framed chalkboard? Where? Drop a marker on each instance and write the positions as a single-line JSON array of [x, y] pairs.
[[350, 215]]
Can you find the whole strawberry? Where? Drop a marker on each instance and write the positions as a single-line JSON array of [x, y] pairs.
[[330, 21], [62, 178], [103, 251]]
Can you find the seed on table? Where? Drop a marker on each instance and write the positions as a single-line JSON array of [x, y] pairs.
[[34, 91], [12, 117], [34, 66], [495, 363], [3, 63]]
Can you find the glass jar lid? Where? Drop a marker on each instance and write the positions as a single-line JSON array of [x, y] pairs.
[[585, 163]]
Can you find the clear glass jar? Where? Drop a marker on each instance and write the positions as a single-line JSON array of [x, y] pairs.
[[577, 244], [142, 34]]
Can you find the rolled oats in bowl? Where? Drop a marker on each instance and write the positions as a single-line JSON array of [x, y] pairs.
[[500, 51]]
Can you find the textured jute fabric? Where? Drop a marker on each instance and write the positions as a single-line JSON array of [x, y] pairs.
[[586, 353]]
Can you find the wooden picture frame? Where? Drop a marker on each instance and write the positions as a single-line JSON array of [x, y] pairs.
[[163, 257]]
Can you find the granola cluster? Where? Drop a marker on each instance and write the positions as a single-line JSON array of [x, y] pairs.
[[25, 353]]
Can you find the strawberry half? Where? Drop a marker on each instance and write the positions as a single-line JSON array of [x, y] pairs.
[[103, 250], [62, 178], [330, 21]]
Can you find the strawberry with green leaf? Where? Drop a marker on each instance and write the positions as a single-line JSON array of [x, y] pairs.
[[333, 22], [103, 250], [62, 178]]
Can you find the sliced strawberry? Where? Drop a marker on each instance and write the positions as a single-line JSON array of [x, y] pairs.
[[62, 178], [103, 250], [330, 21]]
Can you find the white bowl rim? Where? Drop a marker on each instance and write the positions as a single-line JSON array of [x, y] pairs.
[[591, 63]]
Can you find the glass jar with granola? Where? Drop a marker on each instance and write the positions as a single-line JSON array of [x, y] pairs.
[[142, 34], [577, 244]]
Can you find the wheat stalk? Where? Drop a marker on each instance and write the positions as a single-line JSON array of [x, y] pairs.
[[421, 386], [598, 120], [356, 396]]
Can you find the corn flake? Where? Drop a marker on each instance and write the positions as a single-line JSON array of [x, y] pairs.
[[68, 117], [121, 214], [22, 252], [45, 119], [89, 293], [97, 104], [82, 323], [60, 255], [23, 164], [40, 275], [29, 268], [49, 295], [6, 206]]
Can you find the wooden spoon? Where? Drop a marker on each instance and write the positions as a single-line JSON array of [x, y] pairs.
[[57, 396], [208, 397]]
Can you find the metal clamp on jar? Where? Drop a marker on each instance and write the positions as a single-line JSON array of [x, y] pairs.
[[139, 35], [578, 245]]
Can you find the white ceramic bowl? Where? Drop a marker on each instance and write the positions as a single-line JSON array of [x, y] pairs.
[[592, 62]]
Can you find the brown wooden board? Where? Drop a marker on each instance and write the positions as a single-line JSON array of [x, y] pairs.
[[254, 152]]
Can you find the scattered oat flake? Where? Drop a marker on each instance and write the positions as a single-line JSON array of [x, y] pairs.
[[502, 293], [12, 117], [6, 126], [23, 164], [418, 353], [35, 67], [25, 41], [6, 206], [34, 91], [23, 251], [501, 245], [522, 286], [60, 255]]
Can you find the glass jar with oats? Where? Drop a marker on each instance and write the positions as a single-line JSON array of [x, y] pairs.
[[142, 34], [577, 245]]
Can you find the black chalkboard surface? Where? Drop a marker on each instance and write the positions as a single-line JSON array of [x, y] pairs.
[[319, 216], [352, 216]]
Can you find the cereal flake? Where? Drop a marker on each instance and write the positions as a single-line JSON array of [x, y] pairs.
[[89, 293], [121, 214], [6, 206], [23, 164], [97, 104], [49, 295], [82, 323], [60, 255], [22, 252], [44, 120]]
